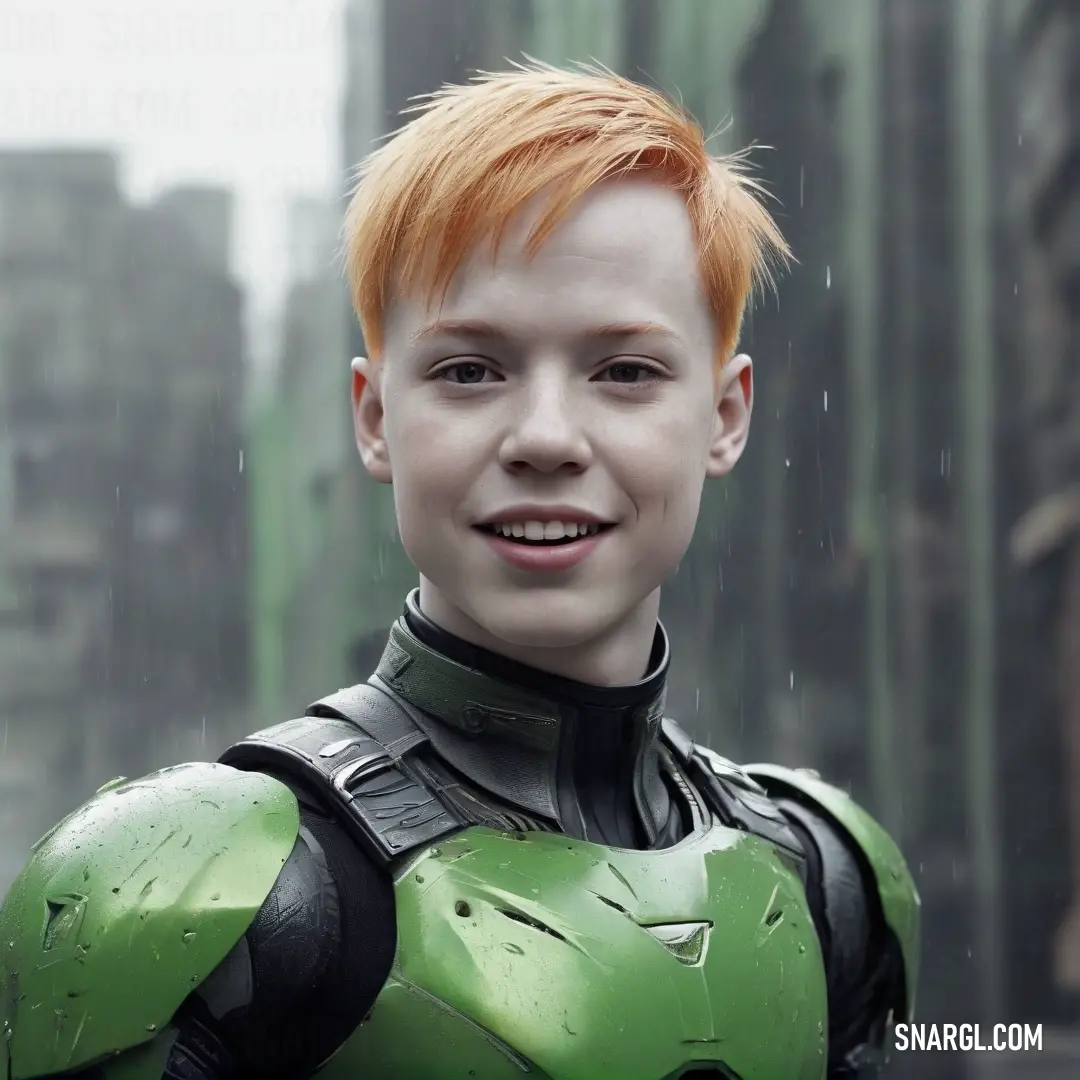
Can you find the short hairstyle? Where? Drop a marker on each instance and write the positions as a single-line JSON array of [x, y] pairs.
[[473, 155]]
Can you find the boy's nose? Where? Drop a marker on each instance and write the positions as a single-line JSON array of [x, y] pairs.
[[545, 433]]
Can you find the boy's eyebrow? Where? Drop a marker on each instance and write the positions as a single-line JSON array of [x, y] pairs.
[[480, 328], [635, 329], [474, 328]]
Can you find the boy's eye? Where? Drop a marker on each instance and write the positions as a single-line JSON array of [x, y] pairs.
[[465, 373], [628, 372]]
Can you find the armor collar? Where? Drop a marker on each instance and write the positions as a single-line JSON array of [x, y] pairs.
[[585, 757]]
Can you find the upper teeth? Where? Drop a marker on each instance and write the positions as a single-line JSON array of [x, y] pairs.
[[541, 530]]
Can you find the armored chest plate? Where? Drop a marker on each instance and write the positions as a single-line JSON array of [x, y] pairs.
[[542, 956]]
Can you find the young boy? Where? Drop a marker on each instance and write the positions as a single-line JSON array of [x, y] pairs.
[[497, 857]]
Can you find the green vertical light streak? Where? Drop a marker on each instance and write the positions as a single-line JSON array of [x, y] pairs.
[[869, 521]]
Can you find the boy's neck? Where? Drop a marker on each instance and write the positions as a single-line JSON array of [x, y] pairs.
[[619, 657]]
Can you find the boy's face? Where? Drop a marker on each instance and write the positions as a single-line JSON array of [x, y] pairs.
[[578, 386]]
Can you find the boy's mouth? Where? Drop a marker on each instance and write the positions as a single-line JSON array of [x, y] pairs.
[[544, 533]]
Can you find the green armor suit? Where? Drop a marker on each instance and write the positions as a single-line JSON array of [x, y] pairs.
[[521, 943]]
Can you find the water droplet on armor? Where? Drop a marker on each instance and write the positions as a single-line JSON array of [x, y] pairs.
[[188, 937], [419, 879], [510, 947]]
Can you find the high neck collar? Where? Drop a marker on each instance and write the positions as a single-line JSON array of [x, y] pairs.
[[583, 756], [541, 685]]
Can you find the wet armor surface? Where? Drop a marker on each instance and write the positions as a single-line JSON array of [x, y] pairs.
[[462, 868]]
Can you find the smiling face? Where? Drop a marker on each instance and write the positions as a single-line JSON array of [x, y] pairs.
[[576, 386]]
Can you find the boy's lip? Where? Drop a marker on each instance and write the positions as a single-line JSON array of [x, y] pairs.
[[532, 512], [540, 558]]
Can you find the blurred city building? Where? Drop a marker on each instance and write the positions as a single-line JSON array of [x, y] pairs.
[[122, 510]]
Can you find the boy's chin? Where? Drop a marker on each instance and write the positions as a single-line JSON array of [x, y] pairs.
[[551, 635], [534, 621]]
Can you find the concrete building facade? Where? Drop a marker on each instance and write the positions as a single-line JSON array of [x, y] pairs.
[[122, 520]]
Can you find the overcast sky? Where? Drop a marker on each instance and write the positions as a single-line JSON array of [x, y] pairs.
[[243, 92]]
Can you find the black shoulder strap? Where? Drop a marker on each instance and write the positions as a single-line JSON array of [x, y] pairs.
[[735, 797], [352, 748]]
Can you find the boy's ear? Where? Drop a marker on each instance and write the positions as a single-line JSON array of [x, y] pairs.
[[731, 421], [368, 417]]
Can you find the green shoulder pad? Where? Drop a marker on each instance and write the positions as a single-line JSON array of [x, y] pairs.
[[128, 904], [899, 897]]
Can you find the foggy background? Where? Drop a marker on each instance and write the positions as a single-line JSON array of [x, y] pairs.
[[888, 589]]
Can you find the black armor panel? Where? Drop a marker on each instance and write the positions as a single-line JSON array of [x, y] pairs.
[[356, 748]]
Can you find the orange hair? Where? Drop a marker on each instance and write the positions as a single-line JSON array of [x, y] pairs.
[[475, 154]]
